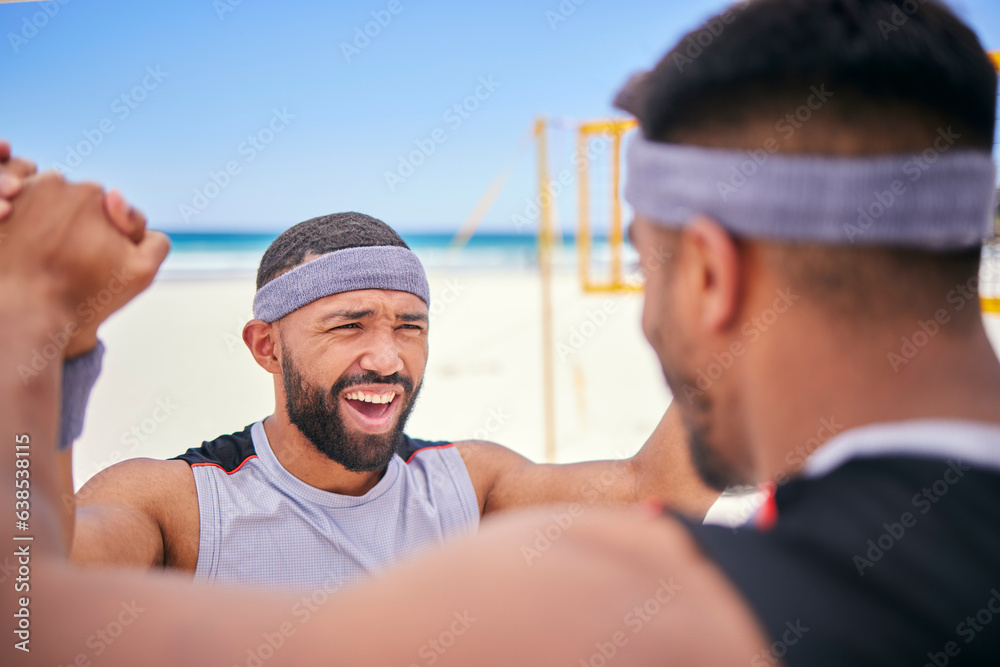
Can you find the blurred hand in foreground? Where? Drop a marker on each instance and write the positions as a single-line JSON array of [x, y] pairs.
[[73, 253]]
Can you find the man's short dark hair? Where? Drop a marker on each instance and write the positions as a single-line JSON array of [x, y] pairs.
[[878, 56], [901, 71], [320, 236]]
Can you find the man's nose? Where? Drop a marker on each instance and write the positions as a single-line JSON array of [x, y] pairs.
[[382, 356]]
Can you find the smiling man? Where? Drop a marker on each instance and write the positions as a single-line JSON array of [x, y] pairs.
[[329, 488], [651, 590]]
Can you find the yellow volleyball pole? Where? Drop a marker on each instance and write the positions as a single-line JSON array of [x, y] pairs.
[[616, 128], [991, 305], [617, 237], [583, 206], [546, 239]]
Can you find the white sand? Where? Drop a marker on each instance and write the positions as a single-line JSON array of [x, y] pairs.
[[178, 345], [177, 372]]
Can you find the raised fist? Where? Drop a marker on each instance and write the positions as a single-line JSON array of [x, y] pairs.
[[76, 253]]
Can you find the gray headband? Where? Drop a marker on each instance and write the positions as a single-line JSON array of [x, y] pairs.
[[935, 200], [347, 270]]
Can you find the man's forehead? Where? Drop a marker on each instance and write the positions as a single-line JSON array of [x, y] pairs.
[[369, 301], [638, 231]]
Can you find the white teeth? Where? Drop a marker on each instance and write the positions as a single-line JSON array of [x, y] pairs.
[[372, 398]]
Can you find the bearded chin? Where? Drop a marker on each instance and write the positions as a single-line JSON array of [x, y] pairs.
[[696, 414], [315, 411]]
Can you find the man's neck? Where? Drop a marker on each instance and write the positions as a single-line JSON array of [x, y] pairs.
[[301, 458], [844, 381]]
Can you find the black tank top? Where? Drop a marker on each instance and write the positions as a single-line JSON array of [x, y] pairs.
[[883, 561]]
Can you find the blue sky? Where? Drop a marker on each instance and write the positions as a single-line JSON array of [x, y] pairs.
[[168, 94]]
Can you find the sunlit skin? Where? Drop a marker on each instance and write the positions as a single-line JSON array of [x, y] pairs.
[[806, 367], [691, 311], [581, 588], [380, 331], [145, 512]]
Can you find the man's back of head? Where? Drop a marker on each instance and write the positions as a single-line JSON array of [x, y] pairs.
[[820, 178], [884, 103]]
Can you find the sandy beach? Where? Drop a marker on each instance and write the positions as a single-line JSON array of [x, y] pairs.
[[177, 372]]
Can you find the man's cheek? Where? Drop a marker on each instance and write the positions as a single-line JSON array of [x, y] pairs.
[[652, 315], [648, 328]]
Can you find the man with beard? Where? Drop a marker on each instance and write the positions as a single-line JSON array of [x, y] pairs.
[[882, 548], [329, 488]]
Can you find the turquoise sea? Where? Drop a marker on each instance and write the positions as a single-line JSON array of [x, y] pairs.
[[225, 254], [222, 254]]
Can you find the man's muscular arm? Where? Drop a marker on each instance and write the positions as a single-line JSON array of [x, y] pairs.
[[660, 471], [76, 251], [140, 512]]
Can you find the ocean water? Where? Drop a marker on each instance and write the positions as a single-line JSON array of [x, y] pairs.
[[224, 254], [989, 274]]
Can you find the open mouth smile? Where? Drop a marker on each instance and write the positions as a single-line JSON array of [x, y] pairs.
[[372, 410]]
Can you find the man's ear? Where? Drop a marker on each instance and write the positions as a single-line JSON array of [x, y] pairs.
[[261, 339], [713, 268]]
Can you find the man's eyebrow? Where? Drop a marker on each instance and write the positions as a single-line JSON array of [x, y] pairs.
[[346, 315], [413, 317]]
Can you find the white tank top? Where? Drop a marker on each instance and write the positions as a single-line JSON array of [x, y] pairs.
[[262, 527]]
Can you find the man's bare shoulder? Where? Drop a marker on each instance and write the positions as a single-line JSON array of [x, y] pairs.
[[148, 494], [135, 480], [486, 462]]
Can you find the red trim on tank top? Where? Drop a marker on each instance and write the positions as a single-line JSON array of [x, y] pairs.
[[450, 444], [767, 514], [228, 472]]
